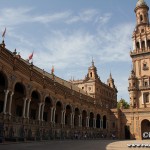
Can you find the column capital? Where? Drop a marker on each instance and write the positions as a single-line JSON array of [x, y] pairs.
[[12, 93], [6, 91]]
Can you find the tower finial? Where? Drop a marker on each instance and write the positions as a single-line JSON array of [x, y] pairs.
[[92, 62], [110, 75]]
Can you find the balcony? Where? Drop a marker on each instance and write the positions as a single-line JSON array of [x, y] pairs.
[[139, 51], [145, 87], [133, 88]]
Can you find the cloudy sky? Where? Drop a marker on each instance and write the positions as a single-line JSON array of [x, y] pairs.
[[68, 33]]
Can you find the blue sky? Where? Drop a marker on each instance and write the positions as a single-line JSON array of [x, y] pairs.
[[67, 34]]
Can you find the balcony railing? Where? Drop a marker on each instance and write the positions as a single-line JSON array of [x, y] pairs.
[[144, 87]]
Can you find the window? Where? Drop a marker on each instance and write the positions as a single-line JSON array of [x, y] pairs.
[[146, 97], [91, 74], [145, 67], [142, 31], [82, 88], [145, 84], [141, 18]]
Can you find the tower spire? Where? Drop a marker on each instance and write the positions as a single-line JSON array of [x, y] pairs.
[[92, 62]]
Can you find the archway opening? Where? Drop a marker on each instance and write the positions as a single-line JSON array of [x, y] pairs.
[[47, 109], [98, 118], [2, 88], [58, 112], [76, 117], [104, 122], [17, 100], [68, 115], [145, 129], [84, 115], [35, 100], [91, 120]]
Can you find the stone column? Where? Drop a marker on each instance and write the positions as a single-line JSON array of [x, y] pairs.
[[80, 120], [42, 111], [24, 107], [87, 122], [73, 120], [51, 119], [94, 123], [39, 111], [64, 118], [140, 43], [10, 103], [28, 107], [5, 101], [102, 123], [54, 111], [134, 45], [145, 42]]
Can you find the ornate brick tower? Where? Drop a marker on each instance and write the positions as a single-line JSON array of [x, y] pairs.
[[139, 80]]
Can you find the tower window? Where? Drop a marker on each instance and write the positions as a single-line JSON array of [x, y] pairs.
[[141, 18], [142, 30], [91, 74], [137, 45], [145, 67], [145, 84], [146, 97]]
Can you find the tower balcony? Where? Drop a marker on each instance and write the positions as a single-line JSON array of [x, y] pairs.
[[144, 87], [133, 88], [140, 51]]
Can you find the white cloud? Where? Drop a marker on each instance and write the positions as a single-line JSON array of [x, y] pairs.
[[76, 48], [83, 16]]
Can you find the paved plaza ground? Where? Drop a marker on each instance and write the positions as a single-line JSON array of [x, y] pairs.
[[73, 145]]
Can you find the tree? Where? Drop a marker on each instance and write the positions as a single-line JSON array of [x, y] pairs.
[[122, 103]]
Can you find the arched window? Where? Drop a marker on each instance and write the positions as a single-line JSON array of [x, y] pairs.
[[141, 18], [137, 45], [91, 74], [143, 44]]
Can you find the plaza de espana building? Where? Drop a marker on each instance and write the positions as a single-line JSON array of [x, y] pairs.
[[37, 105]]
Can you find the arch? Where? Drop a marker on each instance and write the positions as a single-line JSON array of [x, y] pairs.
[[98, 119], [145, 127], [3, 80], [104, 122], [59, 108], [3, 86], [18, 100], [148, 43], [68, 115], [143, 44], [91, 120], [141, 17], [47, 108], [76, 117], [34, 104], [138, 45], [84, 115]]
